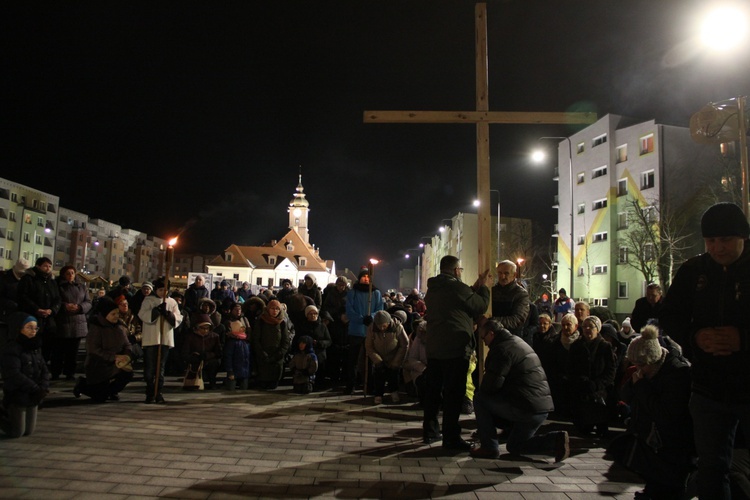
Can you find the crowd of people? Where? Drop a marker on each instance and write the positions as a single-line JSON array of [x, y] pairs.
[[673, 374]]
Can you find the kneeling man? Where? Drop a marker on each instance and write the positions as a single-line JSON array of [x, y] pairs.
[[514, 391]]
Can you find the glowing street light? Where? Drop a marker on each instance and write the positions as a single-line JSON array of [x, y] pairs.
[[724, 28], [538, 156]]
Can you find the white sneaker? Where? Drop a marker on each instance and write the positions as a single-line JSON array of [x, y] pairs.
[[395, 398], [378, 400]]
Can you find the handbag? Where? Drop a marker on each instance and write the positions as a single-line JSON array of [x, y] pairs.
[[193, 380]]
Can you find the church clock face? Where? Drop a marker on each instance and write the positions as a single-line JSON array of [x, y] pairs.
[[297, 212]]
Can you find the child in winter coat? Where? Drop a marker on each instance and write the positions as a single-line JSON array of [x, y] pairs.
[[237, 356], [25, 376], [304, 364]]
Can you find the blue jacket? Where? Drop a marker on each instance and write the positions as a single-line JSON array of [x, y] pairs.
[[356, 307], [237, 357]]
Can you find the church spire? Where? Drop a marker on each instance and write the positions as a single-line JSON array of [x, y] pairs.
[[299, 209]]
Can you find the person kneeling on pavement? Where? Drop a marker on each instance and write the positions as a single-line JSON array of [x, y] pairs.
[[108, 355], [203, 346], [386, 345], [514, 391]]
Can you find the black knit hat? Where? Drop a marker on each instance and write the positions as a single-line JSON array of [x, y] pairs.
[[105, 305], [724, 219]]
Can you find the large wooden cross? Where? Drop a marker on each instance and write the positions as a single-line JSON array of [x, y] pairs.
[[482, 117]]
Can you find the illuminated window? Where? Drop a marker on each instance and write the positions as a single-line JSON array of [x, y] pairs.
[[621, 154], [647, 144]]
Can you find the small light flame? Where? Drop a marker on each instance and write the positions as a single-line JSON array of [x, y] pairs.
[[173, 242], [374, 261]]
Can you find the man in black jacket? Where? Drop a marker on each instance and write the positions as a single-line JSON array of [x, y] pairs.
[[514, 390], [452, 307], [510, 301], [646, 308], [39, 296], [705, 310]]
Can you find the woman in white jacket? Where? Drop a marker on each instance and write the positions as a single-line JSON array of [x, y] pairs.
[[160, 316]]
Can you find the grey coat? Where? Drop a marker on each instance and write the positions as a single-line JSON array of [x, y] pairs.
[[73, 324]]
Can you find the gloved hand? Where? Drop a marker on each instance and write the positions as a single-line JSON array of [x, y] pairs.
[[367, 320]]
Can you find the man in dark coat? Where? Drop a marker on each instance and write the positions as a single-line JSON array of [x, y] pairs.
[[124, 287], [646, 308], [452, 307], [195, 292], [39, 296], [705, 311], [514, 390], [510, 301]]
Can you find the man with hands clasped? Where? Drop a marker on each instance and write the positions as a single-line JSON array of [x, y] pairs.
[[705, 310]]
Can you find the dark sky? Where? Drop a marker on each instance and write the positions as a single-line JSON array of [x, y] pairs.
[[164, 115]]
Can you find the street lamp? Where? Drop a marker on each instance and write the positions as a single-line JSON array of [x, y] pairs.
[[724, 28], [519, 263], [476, 204], [419, 266], [538, 156]]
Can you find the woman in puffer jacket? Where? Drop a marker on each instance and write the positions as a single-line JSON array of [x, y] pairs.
[[386, 345]]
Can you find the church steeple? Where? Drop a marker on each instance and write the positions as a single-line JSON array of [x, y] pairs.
[[299, 209]]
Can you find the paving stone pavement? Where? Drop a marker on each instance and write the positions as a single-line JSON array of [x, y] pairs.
[[252, 444]]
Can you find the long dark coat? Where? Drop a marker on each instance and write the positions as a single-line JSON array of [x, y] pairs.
[[103, 342], [73, 325]]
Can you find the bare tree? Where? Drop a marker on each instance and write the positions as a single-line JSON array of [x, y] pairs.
[[655, 240]]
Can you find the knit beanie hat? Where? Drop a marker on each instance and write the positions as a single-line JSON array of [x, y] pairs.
[[363, 272], [203, 319], [147, 284], [105, 305], [400, 315], [309, 309], [593, 319], [28, 319], [382, 318], [20, 266], [645, 350], [724, 219]]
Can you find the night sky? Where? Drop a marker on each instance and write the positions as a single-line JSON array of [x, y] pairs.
[[194, 117]]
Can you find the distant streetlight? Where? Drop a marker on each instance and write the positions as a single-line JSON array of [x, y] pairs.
[[538, 157], [519, 262]]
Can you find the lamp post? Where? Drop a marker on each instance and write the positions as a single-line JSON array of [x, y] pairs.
[[539, 156], [419, 266]]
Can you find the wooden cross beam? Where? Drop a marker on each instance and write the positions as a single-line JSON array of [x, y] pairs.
[[482, 117]]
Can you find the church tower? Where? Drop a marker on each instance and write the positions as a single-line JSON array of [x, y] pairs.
[[299, 209]]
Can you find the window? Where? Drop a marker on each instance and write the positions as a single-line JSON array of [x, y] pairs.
[[40, 221], [581, 239], [727, 149], [12, 216], [228, 257], [581, 177], [14, 197], [622, 220], [599, 204], [601, 302], [622, 289], [599, 140], [579, 148], [270, 282], [647, 144], [599, 237], [303, 262], [581, 208], [621, 154], [8, 254], [599, 172], [580, 271], [622, 187], [35, 203], [26, 238], [38, 239], [259, 281], [647, 179], [289, 246], [623, 255], [236, 276], [601, 269], [272, 261], [9, 237], [649, 254], [649, 214]]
